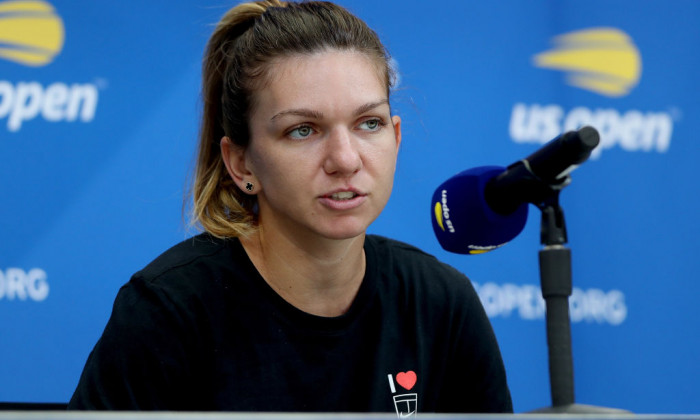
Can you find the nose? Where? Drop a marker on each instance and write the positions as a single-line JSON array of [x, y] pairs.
[[342, 153]]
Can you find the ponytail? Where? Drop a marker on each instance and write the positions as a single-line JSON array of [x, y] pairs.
[[219, 206]]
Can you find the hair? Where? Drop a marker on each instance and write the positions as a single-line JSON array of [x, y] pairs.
[[239, 57]]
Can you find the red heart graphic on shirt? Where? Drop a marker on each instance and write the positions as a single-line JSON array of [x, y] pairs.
[[406, 379]]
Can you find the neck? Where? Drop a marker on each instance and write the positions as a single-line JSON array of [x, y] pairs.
[[319, 277]]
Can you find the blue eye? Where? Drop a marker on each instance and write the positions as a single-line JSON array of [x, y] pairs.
[[301, 132]]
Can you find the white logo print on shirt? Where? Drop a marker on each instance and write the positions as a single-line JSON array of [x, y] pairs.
[[406, 404]]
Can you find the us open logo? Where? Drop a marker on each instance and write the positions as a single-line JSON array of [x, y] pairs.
[[602, 60], [606, 62], [32, 34]]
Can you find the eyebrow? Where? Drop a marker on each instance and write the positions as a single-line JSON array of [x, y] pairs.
[[370, 106], [309, 113]]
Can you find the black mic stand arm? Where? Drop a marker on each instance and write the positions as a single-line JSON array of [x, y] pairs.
[[556, 283], [555, 278]]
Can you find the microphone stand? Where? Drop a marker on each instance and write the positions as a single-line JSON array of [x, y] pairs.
[[539, 179], [555, 278]]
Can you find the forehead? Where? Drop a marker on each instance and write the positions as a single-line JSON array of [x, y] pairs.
[[321, 79]]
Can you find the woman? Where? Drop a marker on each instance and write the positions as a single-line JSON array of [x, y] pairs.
[[285, 304]]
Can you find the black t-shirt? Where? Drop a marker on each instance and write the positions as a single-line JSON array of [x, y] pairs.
[[199, 329]]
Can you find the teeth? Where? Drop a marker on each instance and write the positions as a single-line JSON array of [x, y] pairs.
[[344, 195]]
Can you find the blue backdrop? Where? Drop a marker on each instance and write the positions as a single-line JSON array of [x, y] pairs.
[[98, 122]]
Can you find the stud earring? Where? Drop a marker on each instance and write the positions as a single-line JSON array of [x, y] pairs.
[[249, 186]]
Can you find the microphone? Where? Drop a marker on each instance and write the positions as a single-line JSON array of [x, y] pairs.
[[464, 222], [483, 208]]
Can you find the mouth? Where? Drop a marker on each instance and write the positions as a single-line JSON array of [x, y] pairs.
[[343, 195], [345, 199]]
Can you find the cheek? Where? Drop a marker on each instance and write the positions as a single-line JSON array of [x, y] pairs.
[[390, 165], [261, 162], [384, 158], [276, 171]]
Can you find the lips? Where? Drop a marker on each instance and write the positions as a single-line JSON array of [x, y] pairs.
[[347, 193], [344, 199], [343, 195]]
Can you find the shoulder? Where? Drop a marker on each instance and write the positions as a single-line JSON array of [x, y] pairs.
[[187, 278], [414, 267], [198, 257], [402, 255], [387, 247], [192, 270], [198, 248]]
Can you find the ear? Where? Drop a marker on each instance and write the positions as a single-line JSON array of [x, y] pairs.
[[235, 161], [396, 122]]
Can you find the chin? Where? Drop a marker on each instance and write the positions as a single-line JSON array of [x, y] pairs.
[[346, 227], [342, 235], [344, 231]]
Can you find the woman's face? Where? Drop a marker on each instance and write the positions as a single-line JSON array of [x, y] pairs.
[[323, 145]]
